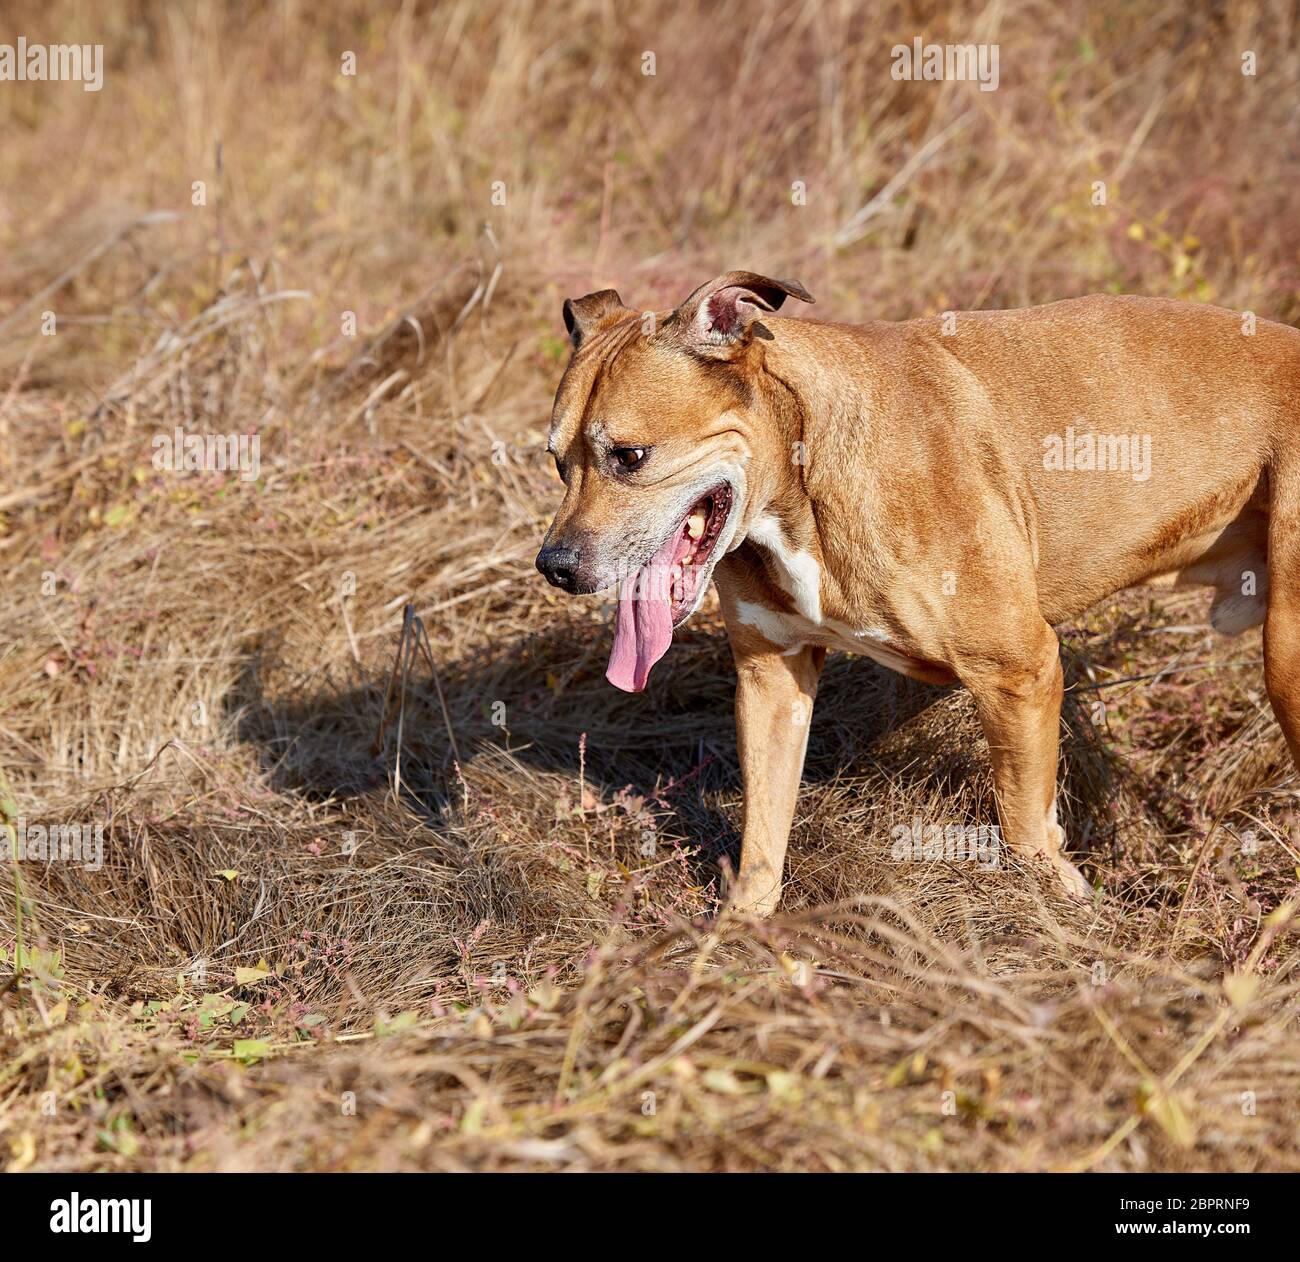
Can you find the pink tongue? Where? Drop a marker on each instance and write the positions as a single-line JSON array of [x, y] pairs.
[[643, 629]]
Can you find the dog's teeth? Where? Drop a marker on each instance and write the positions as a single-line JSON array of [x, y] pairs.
[[695, 524]]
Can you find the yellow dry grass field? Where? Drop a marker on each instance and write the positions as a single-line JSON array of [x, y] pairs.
[[445, 900]]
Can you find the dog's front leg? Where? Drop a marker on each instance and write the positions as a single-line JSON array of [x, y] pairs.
[[774, 701], [1018, 698]]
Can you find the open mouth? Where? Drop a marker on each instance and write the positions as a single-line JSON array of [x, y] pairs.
[[664, 592], [697, 537]]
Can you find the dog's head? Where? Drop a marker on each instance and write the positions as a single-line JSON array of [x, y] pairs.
[[655, 422]]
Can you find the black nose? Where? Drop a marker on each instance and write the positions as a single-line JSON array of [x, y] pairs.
[[560, 565]]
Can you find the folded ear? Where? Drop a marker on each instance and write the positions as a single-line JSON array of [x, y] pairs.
[[718, 318], [583, 316]]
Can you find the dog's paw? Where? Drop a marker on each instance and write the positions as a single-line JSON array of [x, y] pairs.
[[760, 909], [1070, 879], [747, 899]]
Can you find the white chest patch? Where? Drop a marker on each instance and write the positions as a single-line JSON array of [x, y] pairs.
[[786, 631], [799, 576], [791, 631], [797, 571]]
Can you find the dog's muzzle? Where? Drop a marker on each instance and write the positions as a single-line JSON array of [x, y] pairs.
[[559, 566]]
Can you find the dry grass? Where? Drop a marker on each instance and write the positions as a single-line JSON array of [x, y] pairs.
[[486, 927]]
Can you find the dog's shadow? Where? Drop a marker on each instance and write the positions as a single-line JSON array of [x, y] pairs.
[[543, 702]]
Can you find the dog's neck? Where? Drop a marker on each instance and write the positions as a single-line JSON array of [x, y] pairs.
[[823, 366], [808, 404]]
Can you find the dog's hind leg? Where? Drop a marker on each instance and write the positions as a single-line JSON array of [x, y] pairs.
[[1018, 694], [1282, 622]]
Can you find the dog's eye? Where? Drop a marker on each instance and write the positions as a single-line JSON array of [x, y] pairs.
[[628, 457]]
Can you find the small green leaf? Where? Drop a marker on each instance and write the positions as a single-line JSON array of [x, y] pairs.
[[784, 1085], [119, 1140], [402, 1021], [724, 1082], [472, 1121]]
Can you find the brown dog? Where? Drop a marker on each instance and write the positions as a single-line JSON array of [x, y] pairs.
[[935, 494]]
